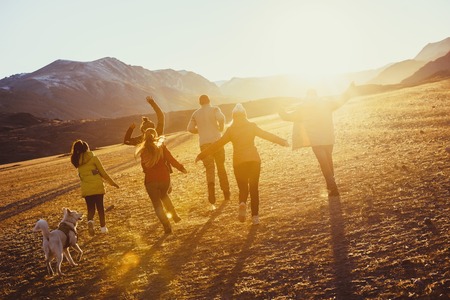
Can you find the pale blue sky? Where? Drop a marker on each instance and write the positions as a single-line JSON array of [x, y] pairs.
[[221, 39]]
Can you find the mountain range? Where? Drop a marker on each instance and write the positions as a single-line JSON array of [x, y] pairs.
[[42, 112], [109, 88]]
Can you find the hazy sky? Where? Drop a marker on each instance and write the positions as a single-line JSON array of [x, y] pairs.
[[220, 39]]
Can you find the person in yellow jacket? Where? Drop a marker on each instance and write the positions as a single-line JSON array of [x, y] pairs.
[[91, 173]]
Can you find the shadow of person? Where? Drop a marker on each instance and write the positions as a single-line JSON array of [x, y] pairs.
[[342, 265], [233, 277], [180, 257]]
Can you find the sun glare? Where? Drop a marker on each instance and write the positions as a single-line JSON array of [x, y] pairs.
[[309, 39]]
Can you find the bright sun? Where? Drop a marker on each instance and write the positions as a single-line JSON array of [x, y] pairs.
[[312, 39]]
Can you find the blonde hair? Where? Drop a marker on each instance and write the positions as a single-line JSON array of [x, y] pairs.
[[151, 148]]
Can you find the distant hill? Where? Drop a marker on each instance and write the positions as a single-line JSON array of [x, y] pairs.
[[435, 70], [105, 88], [397, 72], [433, 51], [24, 136]]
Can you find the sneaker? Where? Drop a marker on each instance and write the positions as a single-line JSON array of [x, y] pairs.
[[91, 228], [227, 195], [255, 220], [242, 211], [104, 229]]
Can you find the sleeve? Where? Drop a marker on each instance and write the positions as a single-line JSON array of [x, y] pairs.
[[160, 117], [294, 116], [216, 145], [345, 96], [132, 141], [192, 126], [172, 161], [269, 136], [220, 117], [102, 171]]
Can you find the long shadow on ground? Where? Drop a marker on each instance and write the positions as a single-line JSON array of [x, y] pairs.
[[342, 266]]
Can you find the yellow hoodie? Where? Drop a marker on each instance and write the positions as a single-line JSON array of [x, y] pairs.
[[92, 173]]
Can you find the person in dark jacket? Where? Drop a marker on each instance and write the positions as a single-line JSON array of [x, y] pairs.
[[146, 123]]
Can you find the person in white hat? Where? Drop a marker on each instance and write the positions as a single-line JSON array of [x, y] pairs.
[[246, 159]]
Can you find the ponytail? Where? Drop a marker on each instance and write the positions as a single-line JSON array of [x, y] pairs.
[[78, 148]]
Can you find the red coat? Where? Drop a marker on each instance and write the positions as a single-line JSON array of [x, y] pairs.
[[160, 171]]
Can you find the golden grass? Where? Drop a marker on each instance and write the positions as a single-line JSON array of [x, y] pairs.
[[387, 237]]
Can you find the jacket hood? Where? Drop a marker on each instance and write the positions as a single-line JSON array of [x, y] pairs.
[[86, 157]]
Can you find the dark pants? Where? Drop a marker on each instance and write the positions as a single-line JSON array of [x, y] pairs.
[[157, 191], [324, 155], [247, 178], [211, 162], [94, 202]]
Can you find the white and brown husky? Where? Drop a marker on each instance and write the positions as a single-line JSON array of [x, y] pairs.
[[56, 243]]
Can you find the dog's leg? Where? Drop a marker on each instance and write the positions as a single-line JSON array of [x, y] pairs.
[[69, 257], [49, 267], [59, 260], [77, 248], [48, 258]]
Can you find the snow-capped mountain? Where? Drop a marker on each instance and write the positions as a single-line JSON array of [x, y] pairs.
[[105, 88]]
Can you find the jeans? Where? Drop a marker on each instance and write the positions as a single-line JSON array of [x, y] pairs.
[[157, 191], [93, 202], [247, 178], [324, 155], [211, 162]]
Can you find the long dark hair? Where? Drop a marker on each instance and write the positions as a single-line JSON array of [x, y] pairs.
[[78, 148]]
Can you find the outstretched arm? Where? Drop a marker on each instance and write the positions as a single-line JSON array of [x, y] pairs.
[[214, 146], [347, 95], [172, 160], [103, 173], [271, 137], [159, 115], [289, 116]]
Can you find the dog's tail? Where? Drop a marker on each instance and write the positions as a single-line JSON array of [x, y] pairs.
[[42, 225]]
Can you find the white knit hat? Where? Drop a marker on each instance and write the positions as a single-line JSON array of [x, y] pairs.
[[239, 109]]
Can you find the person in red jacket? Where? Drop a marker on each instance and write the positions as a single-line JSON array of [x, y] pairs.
[[155, 158]]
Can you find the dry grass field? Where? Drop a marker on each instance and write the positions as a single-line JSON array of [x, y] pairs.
[[386, 237]]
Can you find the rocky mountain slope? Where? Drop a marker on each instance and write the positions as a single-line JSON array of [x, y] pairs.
[[105, 88]]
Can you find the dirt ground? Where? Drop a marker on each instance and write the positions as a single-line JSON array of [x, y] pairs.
[[386, 237]]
